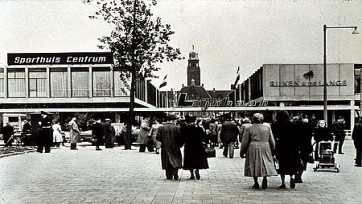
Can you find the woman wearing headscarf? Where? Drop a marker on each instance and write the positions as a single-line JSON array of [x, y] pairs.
[[57, 135], [193, 137], [153, 133], [287, 147], [258, 144], [321, 133]]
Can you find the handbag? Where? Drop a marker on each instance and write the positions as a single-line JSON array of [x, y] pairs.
[[210, 152], [276, 163]]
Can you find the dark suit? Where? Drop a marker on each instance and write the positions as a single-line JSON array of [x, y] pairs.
[[228, 135], [357, 140], [45, 138], [8, 131], [98, 133]]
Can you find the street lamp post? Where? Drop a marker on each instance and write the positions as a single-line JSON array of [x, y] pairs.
[[325, 103]]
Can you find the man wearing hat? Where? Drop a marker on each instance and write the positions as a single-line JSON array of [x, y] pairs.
[[338, 131], [109, 133], [45, 138], [98, 132], [228, 135], [74, 133], [171, 157]]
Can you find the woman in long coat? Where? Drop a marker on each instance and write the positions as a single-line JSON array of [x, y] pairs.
[[258, 144], [287, 147], [74, 133], [153, 134], [57, 135], [194, 151], [306, 149], [142, 137]]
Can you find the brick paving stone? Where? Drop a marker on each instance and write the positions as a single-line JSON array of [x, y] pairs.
[[128, 176]]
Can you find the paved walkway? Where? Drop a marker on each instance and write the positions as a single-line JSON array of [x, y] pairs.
[[127, 176]]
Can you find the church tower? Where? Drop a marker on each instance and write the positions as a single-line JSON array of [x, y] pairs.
[[193, 69]]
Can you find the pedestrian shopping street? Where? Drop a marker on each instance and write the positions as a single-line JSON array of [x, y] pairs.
[[128, 176]]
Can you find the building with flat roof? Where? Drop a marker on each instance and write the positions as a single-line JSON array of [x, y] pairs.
[[298, 88], [70, 83]]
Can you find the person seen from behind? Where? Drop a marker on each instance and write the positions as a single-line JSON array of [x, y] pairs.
[[74, 133], [193, 137], [45, 137], [171, 157], [337, 129], [153, 133], [98, 132], [287, 148], [109, 133], [213, 127], [8, 131], [142, 137], [357, 141], [228, 135], [306, 149], [246, 123], [258, 145], [57, 134]]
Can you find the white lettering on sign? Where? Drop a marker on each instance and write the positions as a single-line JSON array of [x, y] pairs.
[[86, 59], [36, 60]]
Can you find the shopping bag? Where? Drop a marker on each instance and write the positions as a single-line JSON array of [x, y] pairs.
[[210, 152]]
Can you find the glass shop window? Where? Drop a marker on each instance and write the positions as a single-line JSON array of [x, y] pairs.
[[101, 83], [37, 84], [2, 83], [80, 83], [59, 84], [120, 89], [16, 83]]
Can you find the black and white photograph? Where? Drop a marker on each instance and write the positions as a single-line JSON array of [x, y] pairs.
[[180, 101]]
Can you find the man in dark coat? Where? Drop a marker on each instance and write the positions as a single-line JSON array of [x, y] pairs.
[[26, 133], [357, 140], [286, 136], [228, 135], [171, 157], [305, 143], [98, 132], [8, 131], [109, 133], [45, 138], [338, 131]]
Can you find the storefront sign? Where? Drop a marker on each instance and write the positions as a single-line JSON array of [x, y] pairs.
[[307, 83], [225, 102], [60, 58]]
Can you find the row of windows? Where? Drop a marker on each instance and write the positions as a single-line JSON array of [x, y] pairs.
[[60, 83]]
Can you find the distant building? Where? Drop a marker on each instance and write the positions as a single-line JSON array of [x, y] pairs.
[[195, 95], [298, 88], [70, 83]]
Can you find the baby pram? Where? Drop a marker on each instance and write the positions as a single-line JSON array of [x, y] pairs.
[[326, 156]]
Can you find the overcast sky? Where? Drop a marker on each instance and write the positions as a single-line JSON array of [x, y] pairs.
[[225, 33]]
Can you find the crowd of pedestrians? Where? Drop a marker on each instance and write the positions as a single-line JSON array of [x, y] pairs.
[[283, 147]]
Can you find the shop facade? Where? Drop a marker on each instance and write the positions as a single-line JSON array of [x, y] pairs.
[[70, 83], [298, 88]]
